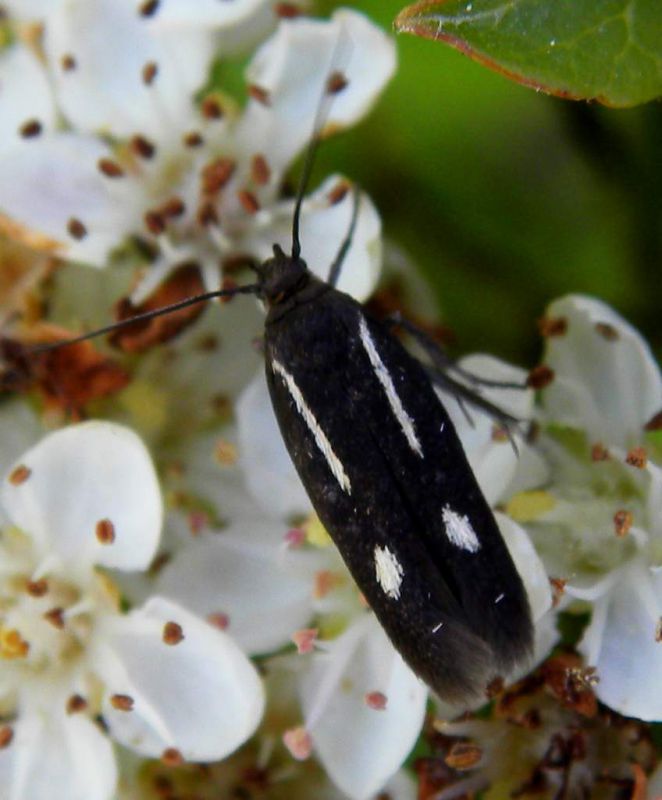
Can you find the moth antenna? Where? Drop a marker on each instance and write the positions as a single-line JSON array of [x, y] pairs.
[[336, 266], [252, 288], [335, 83]]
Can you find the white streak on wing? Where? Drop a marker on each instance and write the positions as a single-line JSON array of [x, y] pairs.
[[335, 465], [388, 571], [459, 531], [383, 376]]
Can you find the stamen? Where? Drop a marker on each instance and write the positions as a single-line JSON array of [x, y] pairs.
[[149, 72], [637, 457], [172, 633], [37, 588], [68, 62], [30, 129], [376, 701], [540, 377], [552, 326], [19, 475], [110, 168], [105, 531], [76, 229], [211, 108], [260, 170], [249, 201], [298, 742], [6, 736], [142, 147], [76, 703], [122, 702], [172, 757], [56, 617], [305, 640], [219, 620], [259, 94]]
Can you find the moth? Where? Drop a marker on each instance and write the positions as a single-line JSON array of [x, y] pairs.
[[387, 475]]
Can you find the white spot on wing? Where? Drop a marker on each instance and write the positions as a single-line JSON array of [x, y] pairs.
[[499, 598], [335, 465], [383, 376], [389, 571], [459, 531]]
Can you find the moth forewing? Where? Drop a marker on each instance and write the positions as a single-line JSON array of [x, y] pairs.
[[387, 475]]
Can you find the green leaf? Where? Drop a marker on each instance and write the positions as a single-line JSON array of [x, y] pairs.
[[605, 50]]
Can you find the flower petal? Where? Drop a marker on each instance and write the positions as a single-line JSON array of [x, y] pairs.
[[292, 67], [622, 643], [324, 226], [55, 750], [269, 472], [205, 13], [223, 573], [606, 379], [200, 695], [79, 477], [26, 95], [112, 44], [49, 182], [360, 746]]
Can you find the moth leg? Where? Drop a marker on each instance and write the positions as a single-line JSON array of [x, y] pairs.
[[441, 359], [336, 265]]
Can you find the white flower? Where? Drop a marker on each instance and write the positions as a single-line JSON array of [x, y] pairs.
[[164, 682], [199, 183], [600, 525], [362, 706]]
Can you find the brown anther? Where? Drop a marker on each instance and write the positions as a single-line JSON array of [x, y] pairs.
[[110, 168], [249, 201], [637, 457], [211, 108], [216, 175], [207, 215], [219, 620], [192, 139], [56, 617], [172, 633], [122, 702], [105, 531], [298, 742], [30, 129], [76, 703], [540, 377], [149, 72], [287, 10], [173, 207], [259, 94], [336, 82], [658, 630], [158, 563], [76, 229], [19, 475], [154, 222], [499, 433], [225, 452], [654, 423], [338, 193], [622, 522], [325, 581], [172, 757], [599, 452], [260, 170], [6, 736], [463, 756], [607, 331], [376, 701], [558, 589], [37, 588], [305, 640], [148, 8], [68, 62], [552, 326], [142, 147]]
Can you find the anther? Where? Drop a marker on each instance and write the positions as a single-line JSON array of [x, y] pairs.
[[298, 742], [376, 701], [305, 640], [338, 193], [623, 522], [154, 222], [172, 633], [30, 129], [216, 175], [110, 168], [260, 170], [225, 452], [540, 377], [259, 94], [6, 736], [654, 423], [599, 452], [207, 215], [122, 702], [19, 475], [219, 620], [637, 457], [105, 531], [287, 10], [76, 703], [68, 62], [76, 229], [192, 139], [607, 331], [249, 201], [149, 8], [211, 108], [172, 757], [463, 756], [37, 588], [143, 147], [336, 83], [56, 617], [149, 72], [552, 326]]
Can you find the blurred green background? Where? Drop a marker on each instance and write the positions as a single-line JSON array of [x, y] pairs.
[[506, 199]]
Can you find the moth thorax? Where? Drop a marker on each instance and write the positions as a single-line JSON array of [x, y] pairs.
[[282, 276]]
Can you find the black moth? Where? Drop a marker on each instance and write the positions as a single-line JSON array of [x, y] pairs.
[[386, 473]]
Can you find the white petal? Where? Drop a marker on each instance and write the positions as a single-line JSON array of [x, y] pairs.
[[49, 181], [268, 469], [494, 461], [528, 564], [49, 753], [246, 573], [205, 13], [201, 696], [293, 66], [611, 388], [79, 476], [360, 747], [111, 43], [625, 652], [323, 229], [26, 95]]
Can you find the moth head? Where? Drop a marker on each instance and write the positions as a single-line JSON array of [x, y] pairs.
[[282, 276]]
